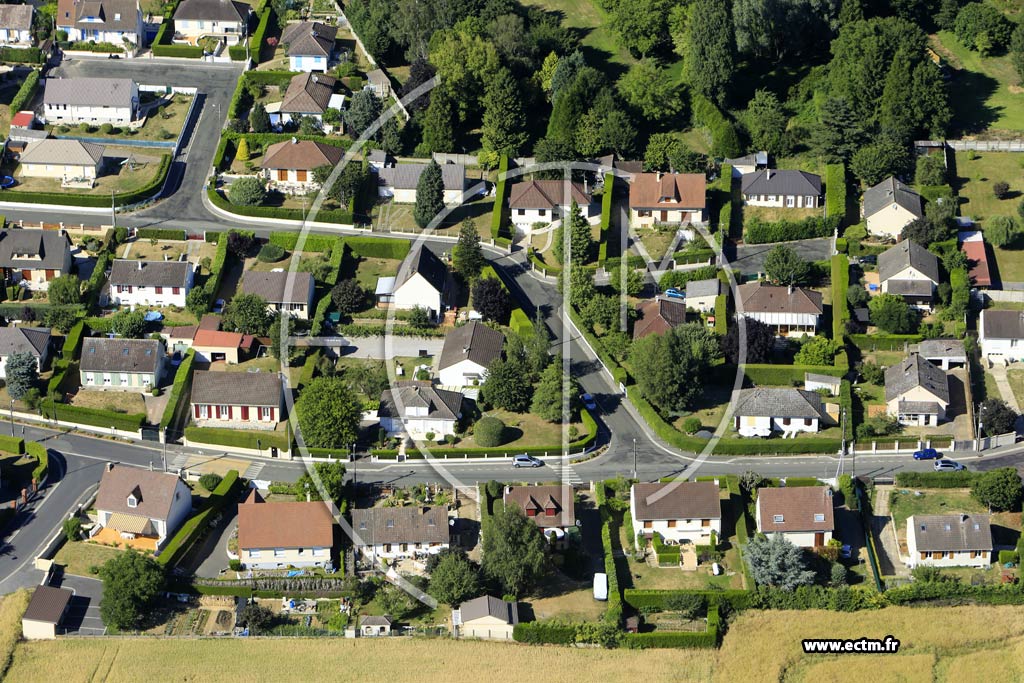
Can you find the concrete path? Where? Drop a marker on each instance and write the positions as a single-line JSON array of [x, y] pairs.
[[1005, 390], [889, 561]]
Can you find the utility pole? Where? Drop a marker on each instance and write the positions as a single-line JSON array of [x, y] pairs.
[[113, 212], [634, 458]]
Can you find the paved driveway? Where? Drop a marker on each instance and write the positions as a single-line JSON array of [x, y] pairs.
[[83, 616], [749, 258]]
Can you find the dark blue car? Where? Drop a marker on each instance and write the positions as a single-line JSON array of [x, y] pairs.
[[927, 454]]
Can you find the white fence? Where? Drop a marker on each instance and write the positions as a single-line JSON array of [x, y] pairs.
[[1010, 295], [987, 145]]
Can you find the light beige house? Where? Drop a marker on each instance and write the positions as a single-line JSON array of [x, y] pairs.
[[34, 257], [916, 392], [486, 617], [674, 198], [226, 20], [701, 294], [61, 159], [890, 206], [803, 515], [45, 611], [958, 540], [216, 345], [289, 165], [285, 534]]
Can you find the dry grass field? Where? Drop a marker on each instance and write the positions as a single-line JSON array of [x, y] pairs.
[[11, 608]]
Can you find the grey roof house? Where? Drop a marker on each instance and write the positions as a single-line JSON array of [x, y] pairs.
[[889, 206], [121, 364], [762, 410], [916, 392], [399, 182], [34, 257], [310, 45], [419, 409], [411, 531], [16, 24], [486, 617], [424, 281], [244, 400], [945, 353], [910, 271], [90, 100], [467, 352], [32, 340], [950, 540], [128, 273], [781, 188], [287, 293]]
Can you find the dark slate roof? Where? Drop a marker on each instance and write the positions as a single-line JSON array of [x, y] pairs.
[[489, 606], [275, 287], [412, 524], [149, 273], [908, 254], [89, 92], [32, 340], [50, 245], [427, 264], [440, 403], [114, 15], [951, 532], [154, 491], [236, 388], [1002, 324], [942, 348], [914, 371], [781, 182], [473, 341], [710, 287], [212, 10], [890, 190], [48, 604], [778, 402], [309, 38], [914, 288], [760, 297], [684, 500], [407, 176], [797, 505], [121, 355]]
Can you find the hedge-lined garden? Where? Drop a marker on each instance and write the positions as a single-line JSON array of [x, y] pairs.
[[238, 439], [606, 218], [196, 525], [835, 190], [147, 191], [757, 231], [840, 306], [94, 417], [180, 390]]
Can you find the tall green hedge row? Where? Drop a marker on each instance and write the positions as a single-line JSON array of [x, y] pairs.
[[607, 200], [498, 214], [379, 247], [179, 390], [95, 417], [161, 234], [26, 92], [757, 231], [840, 306], [835, 190], [196, 525]]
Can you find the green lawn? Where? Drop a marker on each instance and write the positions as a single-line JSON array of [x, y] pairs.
[[981, 95], [905, 503], [976, 176], [116, 177], [1016, 379], [591, 21], [524, 430], [158, 126], [79, 556]]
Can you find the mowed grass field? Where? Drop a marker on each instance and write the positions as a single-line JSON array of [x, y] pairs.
[[592, 22], [986, 93]]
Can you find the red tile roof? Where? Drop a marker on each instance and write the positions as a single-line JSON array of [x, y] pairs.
[[977, 254], [218, 338], [284, 525]]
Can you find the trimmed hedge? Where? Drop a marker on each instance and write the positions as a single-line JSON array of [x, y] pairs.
[[315, 243], [24, 55], [692, 256], [26, 92], [42, 456], [679, 639], [180, 51], [936, 480], [757, 231], [640, 599], [544, 633], [94, 417], [798, 482], [11, 444], [316, 326], [379, 247], [667, 554], [161, 234], [721, 314], [835, 190], [325, 216], [610, 542], [194, 527], [259, 35], [606, 218], [846, 403], [519, 322], [786, 375], [73, 341], [238, 439], [180, 389], [884, 342], [123, 199], [840, 306], [500, 197]]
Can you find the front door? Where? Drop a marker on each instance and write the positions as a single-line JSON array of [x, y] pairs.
[[664, 216], [819, 539]]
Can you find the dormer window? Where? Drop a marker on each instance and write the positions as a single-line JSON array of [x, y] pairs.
[[819, 516], [390, 524], [133, 501], [117, 16], [530, 512], [550, 512], [778, 519]]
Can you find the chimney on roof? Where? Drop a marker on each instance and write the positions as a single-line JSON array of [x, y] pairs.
[[659, 175], [963, 517], [768, 174], [424, 509], [790, 289], [110, 466], [150, 465], [140, 265]]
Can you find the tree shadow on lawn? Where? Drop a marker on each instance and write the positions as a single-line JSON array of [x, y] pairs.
[[971, 114]]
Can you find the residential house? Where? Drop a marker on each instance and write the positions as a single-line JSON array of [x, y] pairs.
[[467, 352], [679, 512], [149, 283], [16, 25], [816, 382], [214, 345], [910, 271], [423, 281], [551, 507], [34, 257], [103, 21], [405, 532], [61, 159], [972, 244], [750, 163], [308, 95], [379, 82], [944, 353], [309, 45], [889, 207], [763, 410], [142, 506], [226, 20], [957, 540], [916, 392], [122, 364], [1000, 335], [546, 201], [803, 515], [289, 164], [31, 340], [675, 198], [788, 189], [486, 617], [702, 294], [379, 159], [659, 316], [399, 182], [417, 409], [375, 625], [46, 610], [237, 400], [792, 311], [285, 293], [72, 101], [284, 534]]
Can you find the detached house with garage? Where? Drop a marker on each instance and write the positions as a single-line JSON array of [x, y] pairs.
[[399, 182], [31, 340], [237, 400], [309, 45], [889, 207], [150, 283], [16, 25], [551, 507], [140, 506], [285, 293], [701, 294], [289, 164], [910, 271], [679, 512], [486, 617], [763, 410], [1000, 335], [226, 20], [803, 515], [66, 160], [73, 101], [284, 534], [674, 198], [792, 311], [122, 364], [103, 21], [417, 409], [467, 352], [424, 281], [958, 540], [546, 201], [659, 316], [786, 189], [213, 345], [414, 531], [916, 392], [34, 257], [308, 95]]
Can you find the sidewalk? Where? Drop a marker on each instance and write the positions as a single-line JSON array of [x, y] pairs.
[[889, 561], [999, 373]]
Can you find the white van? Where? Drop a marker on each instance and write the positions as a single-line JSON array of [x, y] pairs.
[[600, 586]]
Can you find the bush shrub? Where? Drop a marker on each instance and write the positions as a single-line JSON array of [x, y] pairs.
[[42, 456], [210, 481], [757, 231], [270, 253], [94, 417], [1008, 557], [489, 432], [544, 633]]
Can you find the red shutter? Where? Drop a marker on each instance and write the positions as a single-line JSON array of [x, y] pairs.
[[218, 412], [272, 411], [197, 411], [176, 290], [159, 290], [245, 412], [231, 411]]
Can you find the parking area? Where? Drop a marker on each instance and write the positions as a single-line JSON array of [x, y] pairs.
[[83, 615]]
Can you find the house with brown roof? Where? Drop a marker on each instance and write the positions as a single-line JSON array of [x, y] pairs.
[[141, 506], [45, 611], [679, 512], [804, 515], [547, 201], [102, 21], [467, 352], [122, 364], [551, 507], [309, 45], [675, 198], [289, 164], [486, 617], [34, 257], [284, 534], [237, 400], [308, 95], [285, 293], [792, 311], [417, 409], [658, 317], [216, 345], [414, 531]]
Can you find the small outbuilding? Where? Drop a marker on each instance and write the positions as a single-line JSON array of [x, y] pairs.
[[374, 626], [45, 611]]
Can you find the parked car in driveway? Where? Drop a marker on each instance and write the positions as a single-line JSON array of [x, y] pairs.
[[927, 454], [524, 460], [947, 466], [588, 402], [675, 293]]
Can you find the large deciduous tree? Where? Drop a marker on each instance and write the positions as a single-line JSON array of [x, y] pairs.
[[507, 385], [132, 582], [784, 266], [454, 579], [129, 324], [998, 489], [759, 338], [248, 314], [548, 394], [66, 289], [766, 122], [890, 313], [513, 551], [669, 367], [328, 413], [332, 478], [491, 300], [997, 417]]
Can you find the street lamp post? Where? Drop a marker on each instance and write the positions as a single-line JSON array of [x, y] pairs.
[[259, 447], [634, 458]]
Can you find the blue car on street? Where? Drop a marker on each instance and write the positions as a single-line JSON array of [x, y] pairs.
[[674, 293], [927, 454]]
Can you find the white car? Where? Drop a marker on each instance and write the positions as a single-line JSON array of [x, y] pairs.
[[524, 460]]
